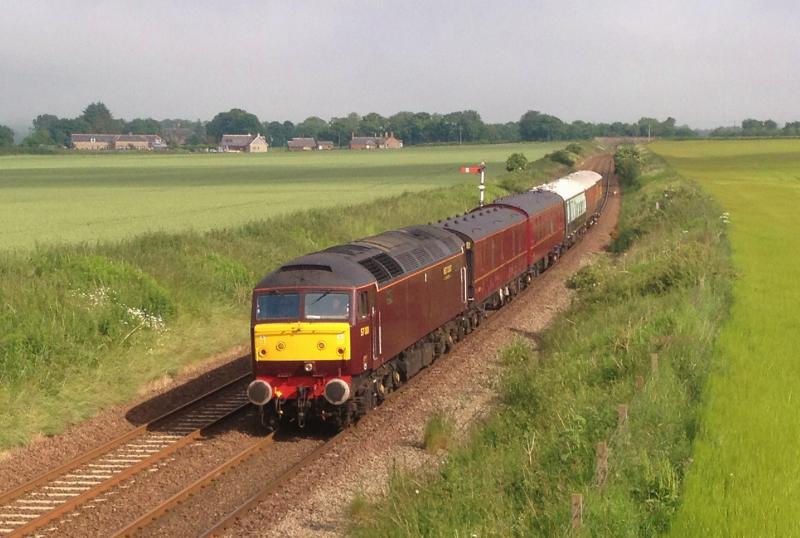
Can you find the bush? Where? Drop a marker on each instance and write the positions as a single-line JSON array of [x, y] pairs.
[[577, 149], [516, 161], [563, 156], [628, 164]]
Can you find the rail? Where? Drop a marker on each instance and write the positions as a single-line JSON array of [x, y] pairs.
[[55, 493]]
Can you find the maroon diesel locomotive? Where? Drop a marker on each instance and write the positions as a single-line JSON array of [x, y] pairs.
[[334, 332]]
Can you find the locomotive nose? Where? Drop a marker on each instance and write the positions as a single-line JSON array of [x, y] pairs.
[[259, 392]]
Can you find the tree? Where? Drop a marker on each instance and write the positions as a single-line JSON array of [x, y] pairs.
[[344, 128], [143, 126], [60, 129], [277, 133], [37, 139], [311, 127], [235, 121], [533, 125], [100, 120], [465, 126], [373, 124], [6, 137], [516, 161]]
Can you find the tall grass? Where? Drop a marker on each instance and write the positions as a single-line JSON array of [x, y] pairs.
[[666, 292], [83, 326], [745, 480]]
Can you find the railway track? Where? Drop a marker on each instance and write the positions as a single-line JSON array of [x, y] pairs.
[[83, 481]]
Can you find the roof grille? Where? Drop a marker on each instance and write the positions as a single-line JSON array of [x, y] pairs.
[[422, 256], [378, 271], [306, 267], [389, 263], [408, 261]]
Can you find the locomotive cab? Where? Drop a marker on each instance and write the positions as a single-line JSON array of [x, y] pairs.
[[335, 331], [302, 350]]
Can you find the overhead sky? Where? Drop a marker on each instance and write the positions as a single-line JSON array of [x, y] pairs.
[[706, 63]]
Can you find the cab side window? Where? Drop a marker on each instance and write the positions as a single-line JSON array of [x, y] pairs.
[[363, 309]]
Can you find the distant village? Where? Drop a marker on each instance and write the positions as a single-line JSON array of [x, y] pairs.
[[229, 143]]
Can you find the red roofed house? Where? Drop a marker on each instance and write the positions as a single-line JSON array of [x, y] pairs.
[[245, 143], [387, 141]]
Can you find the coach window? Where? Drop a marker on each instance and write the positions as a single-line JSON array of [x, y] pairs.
[[363, 309]]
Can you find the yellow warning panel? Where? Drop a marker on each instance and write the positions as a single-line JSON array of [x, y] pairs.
[[302, 341]]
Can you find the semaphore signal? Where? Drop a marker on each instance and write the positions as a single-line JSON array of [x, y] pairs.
[[477, 169]]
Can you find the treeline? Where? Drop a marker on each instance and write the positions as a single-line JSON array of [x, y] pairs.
[[751, 127], [413, 128], [466, 126]]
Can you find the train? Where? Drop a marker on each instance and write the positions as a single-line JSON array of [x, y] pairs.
[[334, 332]]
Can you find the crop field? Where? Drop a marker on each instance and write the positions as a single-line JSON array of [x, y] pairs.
[[745, 479], [75, 198]]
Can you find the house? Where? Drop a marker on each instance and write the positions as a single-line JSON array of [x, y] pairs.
[[156, 142], [96, 142], [301, 144], [387, 141], [390, 142], [324, 145], [92, 142], [131, 141], [246, 143], [178, 135]]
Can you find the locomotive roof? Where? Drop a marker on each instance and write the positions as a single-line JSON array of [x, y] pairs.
[[380, 258], [587, 178], [565, 188], [531, 202], [482, 222]]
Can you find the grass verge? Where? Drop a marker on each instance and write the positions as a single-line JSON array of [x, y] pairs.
[[665, 292], [84, 326]]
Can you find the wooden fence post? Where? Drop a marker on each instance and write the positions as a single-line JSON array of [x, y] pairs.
[[639, 386], [577, 510], [622, 415], [654, 363], [601, 463]]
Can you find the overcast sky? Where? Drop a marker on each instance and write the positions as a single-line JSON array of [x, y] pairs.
[[706, 63]]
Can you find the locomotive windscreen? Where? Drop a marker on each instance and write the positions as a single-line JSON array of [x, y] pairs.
[[327, 306], [278, 306]]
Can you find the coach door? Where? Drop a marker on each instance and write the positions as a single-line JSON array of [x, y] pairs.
[[368, 327], [469, 274]]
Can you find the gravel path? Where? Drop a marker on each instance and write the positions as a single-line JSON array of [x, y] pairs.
[[315, 502]]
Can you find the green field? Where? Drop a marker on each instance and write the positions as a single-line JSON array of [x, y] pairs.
[[72, 198], [745, 479]]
